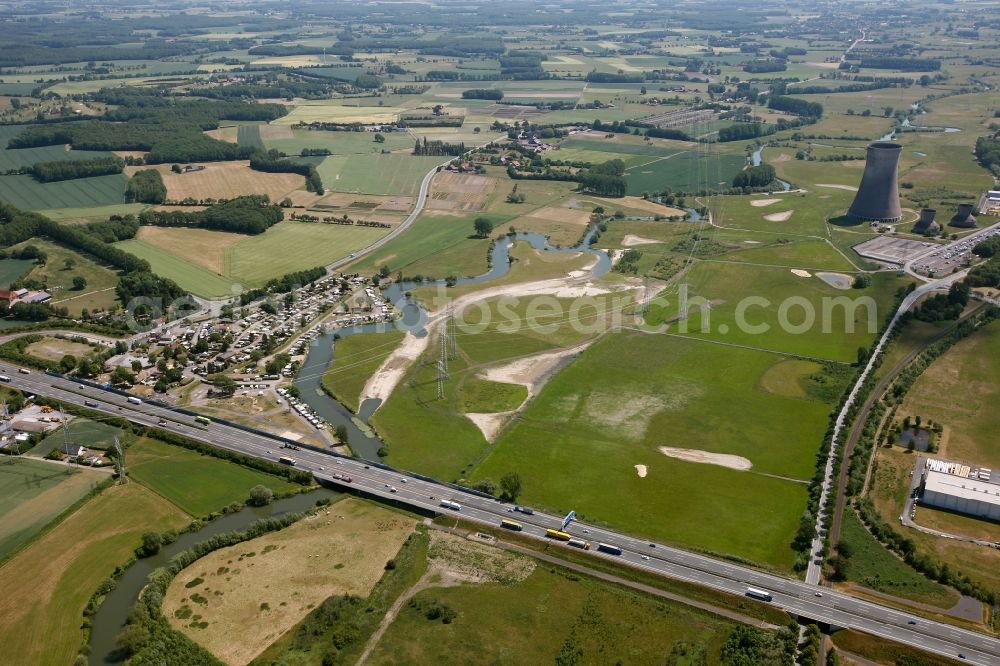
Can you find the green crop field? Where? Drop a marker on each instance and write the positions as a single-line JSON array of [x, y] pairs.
[[249, 135], [55, 576], [11, 160], [376, 174], [577, 444], [28, 194], [33, 493], [197, 484], [569, 614], [13, 269], [189, 276], [293, 246], [341, 143], [355, 358], [686, 171], [58, 278]]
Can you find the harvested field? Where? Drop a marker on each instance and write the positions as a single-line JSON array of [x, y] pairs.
[[760, 203], [779, 217], [203, 247], [460, 191], [638, 203], [227, 134], [708, 458], [275, 132], [224, 180], [249, 595]]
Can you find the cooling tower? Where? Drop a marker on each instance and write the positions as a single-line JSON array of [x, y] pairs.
[[878, 195], [926, 223], [963, 218]]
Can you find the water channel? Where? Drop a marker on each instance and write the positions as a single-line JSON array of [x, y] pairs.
[[363, 440], [110, 617]]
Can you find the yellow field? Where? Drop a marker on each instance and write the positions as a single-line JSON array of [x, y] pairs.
[[252, 593], [46, 586], [227, 134], [308, 113], [225, 180], [201, 246]]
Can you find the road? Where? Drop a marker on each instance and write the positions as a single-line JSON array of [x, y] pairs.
[[794, 596]]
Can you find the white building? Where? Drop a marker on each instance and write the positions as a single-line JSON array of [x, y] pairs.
[[970, 494]]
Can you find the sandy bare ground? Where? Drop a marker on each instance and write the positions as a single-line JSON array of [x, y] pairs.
[[384, 380], [779, 217], [641, 471], [750, 242], [532, 372], [849, 188], [705, 457], [631, 240], [760, 203], [801, 273]]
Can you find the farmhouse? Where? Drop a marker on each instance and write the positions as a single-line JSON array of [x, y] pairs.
[[24, 296], [961, 488]]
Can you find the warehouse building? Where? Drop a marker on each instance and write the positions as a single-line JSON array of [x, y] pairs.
[[961, 488]]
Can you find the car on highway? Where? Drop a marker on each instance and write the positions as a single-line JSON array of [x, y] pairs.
[[645, 557], [912, 622], [819, 594]]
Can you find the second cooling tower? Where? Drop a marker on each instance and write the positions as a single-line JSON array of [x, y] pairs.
[[878, 196]]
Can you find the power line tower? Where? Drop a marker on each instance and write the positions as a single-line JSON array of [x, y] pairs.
[[442, 367], [453, 336], [120, 460], [14, 448]]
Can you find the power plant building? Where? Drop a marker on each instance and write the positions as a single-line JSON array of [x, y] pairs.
[[877, 199], [963, 219], [961, 488], [926, 223]]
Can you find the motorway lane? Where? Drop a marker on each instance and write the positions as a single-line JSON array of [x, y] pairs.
[[792, 595]]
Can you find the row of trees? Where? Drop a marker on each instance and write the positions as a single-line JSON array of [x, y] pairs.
[[438, 148], [607, 178], [755, 176], [146, 186], [48, 172], [483, 93], [251, 214]]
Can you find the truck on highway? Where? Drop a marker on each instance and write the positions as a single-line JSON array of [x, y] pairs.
[[285, 460], [528, 511], [609, 548], [511, 525], [448, 504], [342, 477], [579, 543], [89, 403], [134, 400], [4, 378], [24, 371], [756, 593], [558, 534], [204, 420]]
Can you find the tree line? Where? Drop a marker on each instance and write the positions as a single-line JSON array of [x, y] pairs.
[[251, 214], [274, 162], [49, 172], [146, 186]]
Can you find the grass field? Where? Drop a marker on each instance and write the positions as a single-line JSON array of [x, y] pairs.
[[356, 357], [874, 567], [249, 261], [28, 194], [552, 614], [84, 432], [189, 276], [54, 577], [32, 493], [238, 600], [376, 174], [197, 484], [340, 143], [58, 279], [53, 349], [576, 444], [966, 373], [11, 160]]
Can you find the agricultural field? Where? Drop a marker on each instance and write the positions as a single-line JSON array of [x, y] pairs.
[[241, 599], [55, 576], [197, 484], [12, 270], [376, 174], [225, 180], [28, 194], [53, 349], [356, 357], [33, 493], [25, 157], [339, 143], [213, 264]]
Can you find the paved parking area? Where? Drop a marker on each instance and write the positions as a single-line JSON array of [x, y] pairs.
[[892, 250]]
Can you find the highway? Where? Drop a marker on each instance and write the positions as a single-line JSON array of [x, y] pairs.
[[796, 597]]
